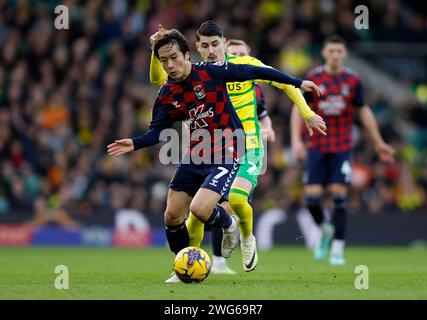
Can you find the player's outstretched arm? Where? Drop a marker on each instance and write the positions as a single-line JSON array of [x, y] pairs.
[[297, 98], [317, 123], [267, 128], [312, 120], [122, 146], [119, 147], [264, 119], [157, 75], [385, 152], [298, 147], [243, 72], [231, 72]]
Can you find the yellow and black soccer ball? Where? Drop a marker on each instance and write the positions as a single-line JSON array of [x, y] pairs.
[[192, 264]]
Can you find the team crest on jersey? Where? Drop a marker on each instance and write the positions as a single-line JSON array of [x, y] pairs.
[[200, 93], [345, 90]]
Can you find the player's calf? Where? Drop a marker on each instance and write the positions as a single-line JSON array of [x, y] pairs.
[[314, 205], [340, 222], [178, 237]]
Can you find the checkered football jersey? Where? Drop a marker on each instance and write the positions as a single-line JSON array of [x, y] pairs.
[[342, 93], [202, 101]]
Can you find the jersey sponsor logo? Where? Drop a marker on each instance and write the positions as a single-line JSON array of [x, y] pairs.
[[345, 89], [200, 93], [219, 63], [333, 105], [234, 86], [198, 116]]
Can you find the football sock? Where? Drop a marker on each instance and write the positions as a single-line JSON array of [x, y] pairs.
[[315, 208], [178, 237], [337, 247], [216, 241], [340, 217], [196, 230], [220, 218], [239, 202], [218, 260]]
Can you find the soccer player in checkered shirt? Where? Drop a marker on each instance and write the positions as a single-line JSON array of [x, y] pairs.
[[328, 158], [197, 93], [213, 46]]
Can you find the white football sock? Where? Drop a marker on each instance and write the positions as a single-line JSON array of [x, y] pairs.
[[218, 261], [337, 248]]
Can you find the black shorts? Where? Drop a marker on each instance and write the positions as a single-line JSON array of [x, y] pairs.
[[216, 177], [327, 168]]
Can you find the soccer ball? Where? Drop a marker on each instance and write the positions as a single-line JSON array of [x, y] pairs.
[[192, 264]]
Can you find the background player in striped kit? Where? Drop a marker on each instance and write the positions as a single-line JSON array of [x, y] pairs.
[[328, 159]]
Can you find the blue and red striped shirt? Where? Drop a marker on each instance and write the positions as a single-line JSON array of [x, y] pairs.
[[342, 93]]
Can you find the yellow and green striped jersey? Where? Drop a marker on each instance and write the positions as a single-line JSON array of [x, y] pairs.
[[243, 98]]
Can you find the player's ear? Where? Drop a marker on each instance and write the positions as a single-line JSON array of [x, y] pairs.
[[323, 53], [345, 52], [187, 55], [224, 43]]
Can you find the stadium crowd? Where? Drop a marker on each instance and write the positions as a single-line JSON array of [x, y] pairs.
[[66, 94]]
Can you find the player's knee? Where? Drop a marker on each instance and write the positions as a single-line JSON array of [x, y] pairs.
[[340, 202], [173, 217], [201, 210]]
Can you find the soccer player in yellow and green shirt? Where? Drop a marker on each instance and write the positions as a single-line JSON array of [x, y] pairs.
[[211, 45]]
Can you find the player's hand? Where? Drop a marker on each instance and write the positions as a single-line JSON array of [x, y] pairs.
[[385, 152], [267, 129], [317, 123], [119, 147], [310, 86], [299, 150], [156, 37], [270, 134]]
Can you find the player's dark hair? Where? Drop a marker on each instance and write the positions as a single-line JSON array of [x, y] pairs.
[[173, 37], [334, 39], [209, 29]]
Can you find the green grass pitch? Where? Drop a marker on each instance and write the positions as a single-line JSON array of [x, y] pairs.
[[282, 273]]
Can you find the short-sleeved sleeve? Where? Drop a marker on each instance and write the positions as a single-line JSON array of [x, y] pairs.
[[358, 100]]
